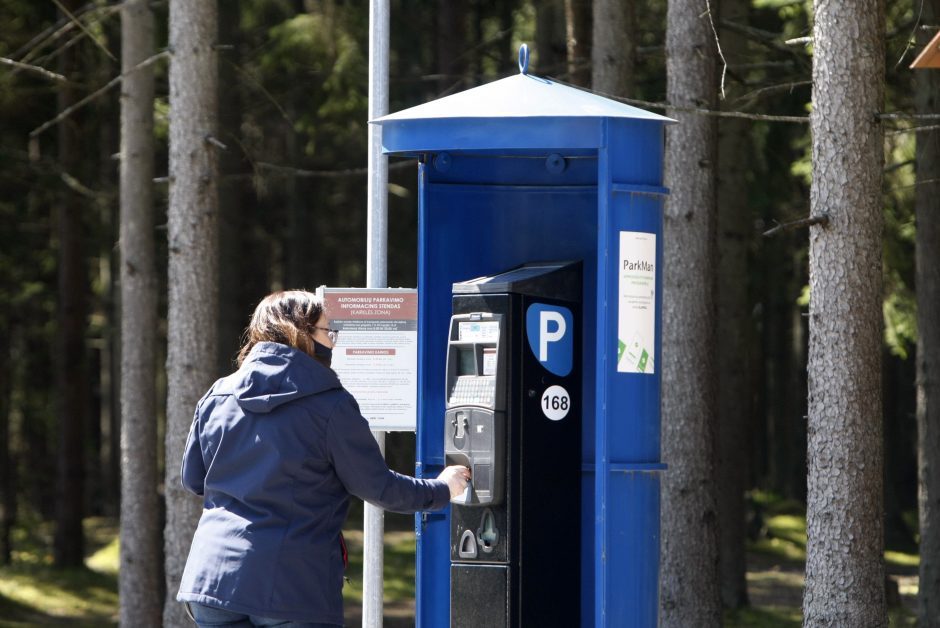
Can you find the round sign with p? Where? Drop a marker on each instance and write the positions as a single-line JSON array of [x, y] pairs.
[[550, 330]]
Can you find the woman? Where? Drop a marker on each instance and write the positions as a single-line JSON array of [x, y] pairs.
[[276, 449]]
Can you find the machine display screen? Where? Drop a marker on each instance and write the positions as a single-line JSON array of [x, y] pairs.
[[466, 361]]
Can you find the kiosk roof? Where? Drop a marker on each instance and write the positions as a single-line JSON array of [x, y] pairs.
[[522, 96]]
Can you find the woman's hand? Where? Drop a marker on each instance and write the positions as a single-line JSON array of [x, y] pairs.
[[456, 477]]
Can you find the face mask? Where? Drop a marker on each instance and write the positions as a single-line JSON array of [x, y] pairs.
[[323, 353]]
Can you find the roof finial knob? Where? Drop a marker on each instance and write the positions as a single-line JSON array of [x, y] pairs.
[[524, 59]]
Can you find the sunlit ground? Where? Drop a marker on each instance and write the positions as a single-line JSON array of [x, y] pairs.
[[776, 568], [34, 594]]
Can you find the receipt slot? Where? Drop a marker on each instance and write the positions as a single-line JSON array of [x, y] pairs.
[[513, 416]]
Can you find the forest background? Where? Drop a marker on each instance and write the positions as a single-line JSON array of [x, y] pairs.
[[292, 213]]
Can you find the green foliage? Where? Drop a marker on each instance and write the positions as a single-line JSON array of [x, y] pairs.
[[900, 309]]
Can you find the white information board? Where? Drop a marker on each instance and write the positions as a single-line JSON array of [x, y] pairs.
[[636, 330], [376, 355]]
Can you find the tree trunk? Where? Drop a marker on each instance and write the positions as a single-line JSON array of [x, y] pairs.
[[7, 481], [689, 590], [71, 376], [140, 533], [613, 51], [193, 265], [237, 292], [550, 47], [578, 38], [793, 471], [106, 478], [734, 329], [844, 551], [451, 45], [927, 209]]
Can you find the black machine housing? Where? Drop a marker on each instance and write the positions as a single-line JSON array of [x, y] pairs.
[[516, 532]]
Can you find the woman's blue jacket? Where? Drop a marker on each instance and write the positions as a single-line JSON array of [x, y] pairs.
[[276, 449]]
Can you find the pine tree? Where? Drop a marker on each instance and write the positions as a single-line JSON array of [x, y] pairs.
[[689, 592], [140, 533], [845, 535], [193, 265]]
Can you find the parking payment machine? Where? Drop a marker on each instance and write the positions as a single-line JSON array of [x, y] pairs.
[[513, 416]]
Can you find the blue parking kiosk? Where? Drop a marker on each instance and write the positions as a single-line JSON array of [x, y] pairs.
[[539, 299]]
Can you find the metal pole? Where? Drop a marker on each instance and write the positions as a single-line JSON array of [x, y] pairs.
[[373, 525]]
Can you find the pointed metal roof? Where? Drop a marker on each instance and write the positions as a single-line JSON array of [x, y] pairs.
[[521, 112], [522, 96]]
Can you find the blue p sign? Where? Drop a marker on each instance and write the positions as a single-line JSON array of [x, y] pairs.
[[550, 330]]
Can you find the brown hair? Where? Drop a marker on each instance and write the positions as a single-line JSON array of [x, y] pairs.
[[287, 317]]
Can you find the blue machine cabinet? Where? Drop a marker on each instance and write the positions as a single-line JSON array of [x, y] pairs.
[[526, 169]]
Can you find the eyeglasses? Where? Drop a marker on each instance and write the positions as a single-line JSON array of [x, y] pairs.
[[332, 334]]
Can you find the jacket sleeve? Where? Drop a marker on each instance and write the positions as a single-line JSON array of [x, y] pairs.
[[193, 473], [358, 462]]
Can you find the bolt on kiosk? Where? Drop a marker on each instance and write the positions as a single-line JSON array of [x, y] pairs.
[[539, 299]]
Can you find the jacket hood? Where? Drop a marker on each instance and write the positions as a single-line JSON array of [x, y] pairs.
[[275, 374]]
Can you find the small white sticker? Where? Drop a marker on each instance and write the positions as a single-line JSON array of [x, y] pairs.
[[556, 403]]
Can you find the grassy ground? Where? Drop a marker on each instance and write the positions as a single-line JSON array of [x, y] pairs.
[[776, 562], [32, 593]]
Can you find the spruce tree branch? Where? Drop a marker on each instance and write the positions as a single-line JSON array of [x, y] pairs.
[[263, 90], [914, 129], [899, 165], [324, 174], [907, 116], [65, 113], [52, 32], [712, 112], [765, 38], [31, 53], [52, 54], [916, 184], [79, 23], [32, 68], [757, 93], [822, 219], [682, 109]]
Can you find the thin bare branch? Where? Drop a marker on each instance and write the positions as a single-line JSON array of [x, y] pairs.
[[77, 186], [79, 23], [799, 41], [917, 183], [325, 174], [52, 32], [32, 68], [897, 166], [908, 116], [757, 93], [822, 219], [721, 55], [910, 38], [62, 28], [263, 90], [65, 113], [216, 142], [914, 129]]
